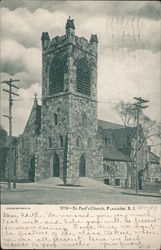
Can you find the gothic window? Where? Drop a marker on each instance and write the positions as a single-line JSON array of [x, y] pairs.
[[156, 169], [61, 141], [109, 140], [55, 119], [31, 143], [49, 142], [78, 142], [56, 82], [84, 120], [83, 77], [106, 168], [89, 143]]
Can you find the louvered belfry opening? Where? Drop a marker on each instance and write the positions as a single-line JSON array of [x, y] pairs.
[[83, 77], [56, 84]]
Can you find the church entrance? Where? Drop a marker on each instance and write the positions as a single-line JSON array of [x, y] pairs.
[[31, 172], [56, 165], [82, 166]]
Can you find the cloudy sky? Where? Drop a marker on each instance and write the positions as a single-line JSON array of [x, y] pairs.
[[128, 54]]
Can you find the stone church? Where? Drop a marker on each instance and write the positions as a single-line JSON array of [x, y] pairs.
[[63, 137]]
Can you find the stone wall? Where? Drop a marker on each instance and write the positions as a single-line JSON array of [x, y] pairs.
[[51, 131], [115, 170], [28, 145]]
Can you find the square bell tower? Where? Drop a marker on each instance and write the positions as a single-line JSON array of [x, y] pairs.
[[70, 145]]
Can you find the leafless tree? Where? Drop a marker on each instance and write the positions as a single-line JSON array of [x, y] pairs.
[[147, 129]]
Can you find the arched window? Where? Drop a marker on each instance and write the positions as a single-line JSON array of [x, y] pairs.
[[84, 120], [83, 77], [56, 82], [82, 166], [61, 141], [78, 142], [89, 143], [49, 142], [55, 119]]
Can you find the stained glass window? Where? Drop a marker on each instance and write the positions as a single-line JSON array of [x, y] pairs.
[[49, 142], [55, 119], [61, 141]]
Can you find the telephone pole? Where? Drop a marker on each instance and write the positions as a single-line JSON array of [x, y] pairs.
[[9, 91], [139, 105]]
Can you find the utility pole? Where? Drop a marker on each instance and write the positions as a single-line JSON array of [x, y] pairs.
[[139, 105], [10, 84]]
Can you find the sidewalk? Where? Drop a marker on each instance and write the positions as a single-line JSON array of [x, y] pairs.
[[20, 187], [141, 193]]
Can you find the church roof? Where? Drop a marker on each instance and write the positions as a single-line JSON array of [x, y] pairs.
[[154, 158], [119, 149], [118, 132], [123, 137], [111, 153], [34, 118], [109, 125]]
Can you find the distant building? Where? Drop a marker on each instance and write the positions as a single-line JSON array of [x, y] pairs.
[[63, 137]]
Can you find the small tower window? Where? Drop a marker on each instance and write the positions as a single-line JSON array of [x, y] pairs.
[[89, 143], [61, 141], [84, 120], [55, 119], [49, 139], [78, 142], [56, 82], [83, 77]]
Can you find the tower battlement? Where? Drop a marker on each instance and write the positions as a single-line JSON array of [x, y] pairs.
[[69, 38]]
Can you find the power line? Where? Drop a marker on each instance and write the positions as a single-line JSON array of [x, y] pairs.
[[138, 106], [10, 92]]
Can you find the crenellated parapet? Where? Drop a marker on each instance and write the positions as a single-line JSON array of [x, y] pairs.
[[69, 38]]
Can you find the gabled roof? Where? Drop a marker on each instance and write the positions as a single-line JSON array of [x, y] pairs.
[[109, 125], [112, 154], [34, 118], [121, 135], [154, 158]]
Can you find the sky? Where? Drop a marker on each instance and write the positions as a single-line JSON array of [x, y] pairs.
[[128, 51]]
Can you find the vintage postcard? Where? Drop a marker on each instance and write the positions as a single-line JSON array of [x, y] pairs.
[[80, 128]]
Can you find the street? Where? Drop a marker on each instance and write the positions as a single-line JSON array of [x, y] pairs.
[[32, 194]]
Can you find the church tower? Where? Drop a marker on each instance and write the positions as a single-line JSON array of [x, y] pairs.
[[70, 144]]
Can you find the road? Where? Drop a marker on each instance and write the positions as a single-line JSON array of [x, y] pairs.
[[71, 195]]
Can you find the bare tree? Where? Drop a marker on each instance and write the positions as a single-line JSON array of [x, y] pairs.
[[147, 128]]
